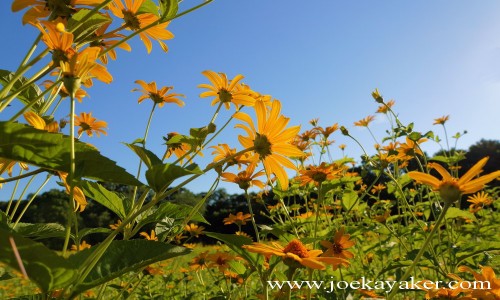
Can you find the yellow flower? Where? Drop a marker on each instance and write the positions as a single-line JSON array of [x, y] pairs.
[[199, 262], [385, 108], [451, 188], [194, 230], [220, 260], [39, 123], [409, 149], [135, 21], [226, 91], [105, 40], [179, 149], [490, 289], [149, 237], [222, 152], [83, 66], [78, 195], [270, 140], [43, 8], [83, 245], [63, 92], [364, 122], [441, 120], [319, 174], [57, 39], [8, 165], [326, 132], [337, 247], [90, 124], [245, 179], [295, 254], [161, 96], [479, 201], [238, 219]]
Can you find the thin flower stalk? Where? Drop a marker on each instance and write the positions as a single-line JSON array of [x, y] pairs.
[[31, 200]]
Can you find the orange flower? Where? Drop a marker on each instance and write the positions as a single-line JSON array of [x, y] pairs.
[[90, 124], [409, 149], [245, 179], [337, 248], [44, 8], [364, 122], [57, 39], [226, 91], [105, 40], [385, 108], [319, 174], [489, 289], [222, 152], [220, 260], [326, 132], [199, 262], [270, 140], [179, 149], [83, 245], [441, 120], [78, 195], [194, 230], [8, 165], [160, 97], [149, 237], [295, 254], [83, 66], [39, 123], [479, 201], [451, 188], [134, 20], [239, 219], [63, 92]]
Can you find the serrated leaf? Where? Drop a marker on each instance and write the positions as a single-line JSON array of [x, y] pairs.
[[148, 158], [88, 27], [104, 197], [122, 257], [20, 142], [25, 96], [168, 9], [453, 213], [41, 230], [160, 177], [43, 266]]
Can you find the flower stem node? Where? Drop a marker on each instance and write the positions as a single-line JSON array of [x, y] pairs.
[[344, 130], [72, 84], [450, 192]]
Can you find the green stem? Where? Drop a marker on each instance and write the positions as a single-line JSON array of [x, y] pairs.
[[253, 216], [71, 175], [13, 192], [21, 197], [31, 200], [422, 250]]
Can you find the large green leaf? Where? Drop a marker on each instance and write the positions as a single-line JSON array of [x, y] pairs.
[[40, 231], [167, 210], [20, 142], [350, 200], [147, 157], [107, 198], [122, 257], [453, 213], [235, 242], [43, 266], [25, 96], [160, 177], [148, 6], [88, 27]]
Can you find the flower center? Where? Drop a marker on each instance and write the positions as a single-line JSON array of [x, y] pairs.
[[262, 145], [225, 96], [131, 20], [450, 191], [156, 98], [297, 248], [337, 248], [318, 176]]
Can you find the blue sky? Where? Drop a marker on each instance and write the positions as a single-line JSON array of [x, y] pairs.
[[322, 59]]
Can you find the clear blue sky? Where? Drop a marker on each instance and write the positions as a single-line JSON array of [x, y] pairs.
[[321, 60]]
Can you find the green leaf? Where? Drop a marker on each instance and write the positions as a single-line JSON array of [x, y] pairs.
[[20, 142], [86, 231], [415, 136], [25, 96], [88, 27], [106, 198], [159, 177], [235, 242], [43, 266], [122, 257], [453, 213], [149, 7], [168, 9], [148, 157], [492, 246], [41, 230], [350, 200], [167, 210]]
